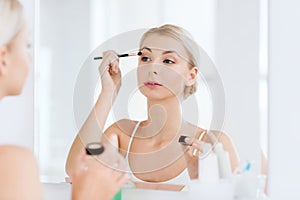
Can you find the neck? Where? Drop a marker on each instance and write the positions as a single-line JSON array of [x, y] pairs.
[[164, 118]]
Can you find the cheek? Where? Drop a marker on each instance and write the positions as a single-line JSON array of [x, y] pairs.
[[140, 75], [21, 65], [174, 86], [173, 80], [25, 60]]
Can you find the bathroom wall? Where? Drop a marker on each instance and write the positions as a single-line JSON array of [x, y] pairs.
[[284, 109]]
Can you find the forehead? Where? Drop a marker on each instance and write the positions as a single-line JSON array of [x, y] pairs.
[[165, 43]]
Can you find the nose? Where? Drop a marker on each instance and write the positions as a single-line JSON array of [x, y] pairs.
[[152, 72], [154, 69], [151, 69]]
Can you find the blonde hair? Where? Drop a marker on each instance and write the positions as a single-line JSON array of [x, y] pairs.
[[11, 14], [188, 43]]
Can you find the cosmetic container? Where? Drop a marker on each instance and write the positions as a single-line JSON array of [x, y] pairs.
[[209, 185], [249, 184], [208, 168], [223, 162]]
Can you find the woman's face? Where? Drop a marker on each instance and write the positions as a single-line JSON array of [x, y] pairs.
[[18, 60], [163, 69]]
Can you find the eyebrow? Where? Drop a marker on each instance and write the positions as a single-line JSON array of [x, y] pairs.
[[147, 48], [165, 52]]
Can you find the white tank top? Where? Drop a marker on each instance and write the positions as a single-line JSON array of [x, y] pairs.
[[182, 179]]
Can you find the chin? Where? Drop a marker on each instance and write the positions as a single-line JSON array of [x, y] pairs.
[[155, 95], [16, 92]]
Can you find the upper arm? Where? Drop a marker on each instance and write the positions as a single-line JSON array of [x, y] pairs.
[[120, 128], [229, 147]]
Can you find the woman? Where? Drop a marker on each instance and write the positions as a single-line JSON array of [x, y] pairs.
[[167, 71], [19, 176]]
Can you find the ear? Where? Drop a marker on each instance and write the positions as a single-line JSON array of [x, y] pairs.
[[3, 60], [192, 76]]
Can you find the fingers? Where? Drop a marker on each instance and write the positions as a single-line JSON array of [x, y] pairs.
[[117, 174], [98, 169], [78, 164], [194, 146], [110, 63], [189, 151], [198, 145]]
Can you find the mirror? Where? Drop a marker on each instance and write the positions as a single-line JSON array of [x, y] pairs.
[[69, 31]]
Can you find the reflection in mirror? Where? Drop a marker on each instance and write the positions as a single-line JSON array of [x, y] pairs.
[[68, 34]]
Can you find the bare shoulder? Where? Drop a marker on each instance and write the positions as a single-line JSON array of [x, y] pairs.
[[17, 152], [13, 157], [222, 137], [19, 165], [123, 129], [195, 131], [192, 130]]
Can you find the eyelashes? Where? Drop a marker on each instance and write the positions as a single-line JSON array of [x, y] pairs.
[[145, 59], [168, 61], [148, 59]]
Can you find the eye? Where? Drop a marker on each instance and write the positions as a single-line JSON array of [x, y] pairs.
[[168, 61], [28, 46], [145, 59]]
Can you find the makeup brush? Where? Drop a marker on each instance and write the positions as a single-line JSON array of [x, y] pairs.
[[122, 55], [196, 152]]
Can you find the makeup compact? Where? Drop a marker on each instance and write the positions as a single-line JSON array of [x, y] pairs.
[[94, 148]]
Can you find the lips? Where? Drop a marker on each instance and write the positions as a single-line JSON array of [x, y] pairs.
[[152, 84]]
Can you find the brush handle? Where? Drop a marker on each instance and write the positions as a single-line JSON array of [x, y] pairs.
[[121, 55]]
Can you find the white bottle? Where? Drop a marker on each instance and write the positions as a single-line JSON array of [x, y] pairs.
[[223, 161], [208, 168]]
